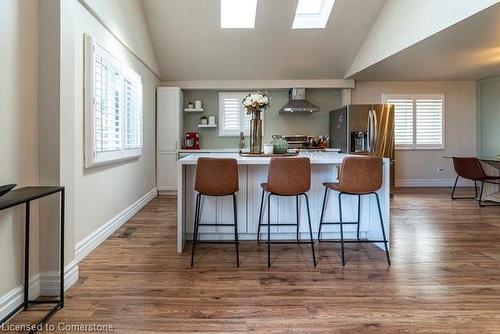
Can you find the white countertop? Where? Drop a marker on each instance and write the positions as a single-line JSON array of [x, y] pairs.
[[317, 158], [211, 150]]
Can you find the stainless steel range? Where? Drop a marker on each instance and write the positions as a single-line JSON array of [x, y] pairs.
[[307, 143]]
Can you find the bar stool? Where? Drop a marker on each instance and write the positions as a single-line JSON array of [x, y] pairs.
[[216, 177], [471, 169], [286, 177], [359, 176]]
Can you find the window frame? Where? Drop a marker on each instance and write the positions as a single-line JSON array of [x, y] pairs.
[[92, 157], [240, 96], [414, 98]]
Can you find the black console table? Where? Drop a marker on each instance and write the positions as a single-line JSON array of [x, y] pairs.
[[25, 196]]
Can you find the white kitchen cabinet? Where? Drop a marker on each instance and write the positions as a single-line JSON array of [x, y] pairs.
[[167, 177], [169, 105]]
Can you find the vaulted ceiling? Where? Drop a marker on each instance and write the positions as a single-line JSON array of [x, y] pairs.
[[468, 50], [190, 45]]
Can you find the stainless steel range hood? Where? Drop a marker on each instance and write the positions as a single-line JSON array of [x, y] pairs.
[[297, 103]]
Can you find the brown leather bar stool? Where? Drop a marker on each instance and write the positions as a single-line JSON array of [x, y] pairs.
[[471, 169], [286, 177], [359, 176], [216, 177]]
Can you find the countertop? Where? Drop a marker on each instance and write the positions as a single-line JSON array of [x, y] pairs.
[[211, 150], [317, 158]]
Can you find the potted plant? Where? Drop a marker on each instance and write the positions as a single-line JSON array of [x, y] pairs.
[[254, 104]]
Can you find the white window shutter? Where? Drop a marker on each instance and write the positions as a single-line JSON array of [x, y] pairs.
[[419, 120], [233, 117], [429, 129], [113, 108], [403, 121]]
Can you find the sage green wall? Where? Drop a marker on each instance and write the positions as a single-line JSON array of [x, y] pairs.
[[489, 117], [274, 123]]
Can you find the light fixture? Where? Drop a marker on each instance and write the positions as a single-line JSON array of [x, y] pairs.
[[237, 13], [312, 14]]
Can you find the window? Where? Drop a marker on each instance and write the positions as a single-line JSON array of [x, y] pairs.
[[418, 120], [312, 14], [113, 108], [233, 117], [238, 13]]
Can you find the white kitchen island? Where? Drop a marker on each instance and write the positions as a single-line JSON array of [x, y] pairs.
[[253, 172]]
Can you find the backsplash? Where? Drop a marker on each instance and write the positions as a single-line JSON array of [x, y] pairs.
[[274, 123]]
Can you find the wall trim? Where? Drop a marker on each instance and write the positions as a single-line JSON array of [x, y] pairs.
[[14, 297], [42, 284], [49, 280], [259, 84], [89, 243], [432, 183]]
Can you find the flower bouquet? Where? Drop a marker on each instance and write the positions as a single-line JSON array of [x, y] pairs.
[[254, 104]]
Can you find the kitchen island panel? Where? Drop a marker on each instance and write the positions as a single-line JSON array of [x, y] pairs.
[[253, 172]]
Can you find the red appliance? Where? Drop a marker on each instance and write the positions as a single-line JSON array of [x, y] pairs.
[[192, 141]]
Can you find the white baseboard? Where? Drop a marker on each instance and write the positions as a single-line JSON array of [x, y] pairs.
[[49, 280], [15, 297], [87, 245], [432, 183], [42, 284], [167, 192]]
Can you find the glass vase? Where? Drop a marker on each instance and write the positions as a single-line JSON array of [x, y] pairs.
[[256, 133]]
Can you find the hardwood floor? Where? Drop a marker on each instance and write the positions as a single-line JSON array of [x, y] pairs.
[[444, 278]]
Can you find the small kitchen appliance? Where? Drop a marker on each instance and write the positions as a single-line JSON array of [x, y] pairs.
[[192, 141]]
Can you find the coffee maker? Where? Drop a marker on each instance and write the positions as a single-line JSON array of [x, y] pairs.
[[192, 141]]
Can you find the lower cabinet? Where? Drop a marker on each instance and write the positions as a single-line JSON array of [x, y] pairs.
[[167, 171]]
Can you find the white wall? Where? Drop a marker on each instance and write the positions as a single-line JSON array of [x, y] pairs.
[[419, 167], [103, 192], [18, 130], [127, 21], [402, 23]]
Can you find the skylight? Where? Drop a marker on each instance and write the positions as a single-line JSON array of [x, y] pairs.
[[237, 13], [312, 14]]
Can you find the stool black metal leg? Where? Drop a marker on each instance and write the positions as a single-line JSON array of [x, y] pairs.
[[297, 213], [454, 187], [310, 229], [269, 230], [475, 188], [195, 231], [359, 214], [27, 255], [383, 230], [260, 216], [341, 229], [236, 231], [481, 195], [322, 214]]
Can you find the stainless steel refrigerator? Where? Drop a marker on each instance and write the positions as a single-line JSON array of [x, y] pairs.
[[366, 129]]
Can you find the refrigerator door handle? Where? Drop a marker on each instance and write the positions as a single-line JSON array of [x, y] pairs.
[[372, 131]]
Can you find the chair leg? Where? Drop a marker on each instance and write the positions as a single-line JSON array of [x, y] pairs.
[[475, 189], [341, 229], [322, 214], [297, 214], [269, 230], [481, 195], [454, 187], [195, 230], [260, 216], [310, 229], [359, 215], [383, 230], [236, 241]]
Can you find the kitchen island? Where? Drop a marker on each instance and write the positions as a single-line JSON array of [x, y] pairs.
[[252, 172]]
